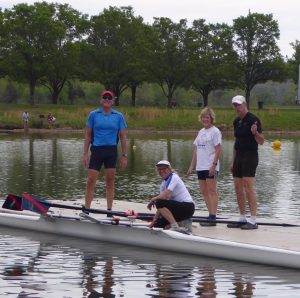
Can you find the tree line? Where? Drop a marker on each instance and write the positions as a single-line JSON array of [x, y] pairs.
[[51, 44]]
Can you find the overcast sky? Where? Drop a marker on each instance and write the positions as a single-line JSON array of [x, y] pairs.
[[286, 12]]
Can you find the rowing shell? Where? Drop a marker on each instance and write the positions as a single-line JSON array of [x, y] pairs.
[[142, 236]]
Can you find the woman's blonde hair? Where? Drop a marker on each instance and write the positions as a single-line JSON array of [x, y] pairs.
[[208, 111]]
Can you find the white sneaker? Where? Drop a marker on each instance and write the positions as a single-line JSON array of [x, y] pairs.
[[187, 223]]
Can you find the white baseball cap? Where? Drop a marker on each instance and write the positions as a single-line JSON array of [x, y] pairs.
[[163, 163], [239, 99]]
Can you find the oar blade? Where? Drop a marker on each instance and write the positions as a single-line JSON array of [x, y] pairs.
[[13, 202], [34, 204]]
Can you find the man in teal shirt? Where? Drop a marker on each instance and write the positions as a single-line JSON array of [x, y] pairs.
[[104, 128]]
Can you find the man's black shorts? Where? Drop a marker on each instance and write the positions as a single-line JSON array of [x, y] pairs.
[[106, 155], [245, 164], [180, 211]]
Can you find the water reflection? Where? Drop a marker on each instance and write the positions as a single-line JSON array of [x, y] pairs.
[[207, 283], [243, 286], [51, 166], [38, 265]]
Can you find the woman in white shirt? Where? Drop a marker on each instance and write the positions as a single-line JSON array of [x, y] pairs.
[[206, 159], [174, 203]]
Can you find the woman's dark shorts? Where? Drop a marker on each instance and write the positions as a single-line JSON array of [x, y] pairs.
[[203, 175], [180, 211], [106, 155], [245, 164]]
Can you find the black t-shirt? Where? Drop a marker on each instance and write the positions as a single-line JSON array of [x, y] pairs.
[[244, 139]]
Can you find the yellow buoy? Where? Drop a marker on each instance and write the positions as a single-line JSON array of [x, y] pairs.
[[133, 147], [276, 145]]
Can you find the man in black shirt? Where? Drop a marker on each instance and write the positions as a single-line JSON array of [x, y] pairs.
[[248, 134]]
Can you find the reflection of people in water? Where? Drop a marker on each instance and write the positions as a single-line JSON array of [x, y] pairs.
[[173, 282], [89, 275], [207, 283], [243, 286]]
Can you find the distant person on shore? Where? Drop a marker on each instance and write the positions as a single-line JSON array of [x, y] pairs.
[[205, 157], [104, 127], [51, 119], [174, 202], [25, 118], [248, 134]]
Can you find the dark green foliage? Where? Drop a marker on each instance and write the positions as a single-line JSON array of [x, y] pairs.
[[113, 51], [168, 63], [46, 45], [294, 62], [212, 60], [10, 94], [259, 59]]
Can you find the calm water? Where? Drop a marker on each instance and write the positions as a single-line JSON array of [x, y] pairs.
[[36, 265], [33, 265], [52, 168]]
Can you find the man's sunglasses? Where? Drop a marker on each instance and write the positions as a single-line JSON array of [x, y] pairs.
[[107, 97]]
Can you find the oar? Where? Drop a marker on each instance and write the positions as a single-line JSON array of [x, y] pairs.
[[258, 223], [36, 204]]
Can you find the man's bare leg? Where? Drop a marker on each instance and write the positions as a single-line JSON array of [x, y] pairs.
[[110, 186], [90, 187], [240, 195]]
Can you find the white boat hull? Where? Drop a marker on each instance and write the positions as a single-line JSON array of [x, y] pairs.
[[154, 238]]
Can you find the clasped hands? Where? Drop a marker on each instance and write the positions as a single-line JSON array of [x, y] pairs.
[[151, 203]]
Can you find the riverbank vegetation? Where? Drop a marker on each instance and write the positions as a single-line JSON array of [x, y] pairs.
[[71, 116]]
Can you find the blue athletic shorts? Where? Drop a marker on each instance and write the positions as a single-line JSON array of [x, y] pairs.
[[106, 155]]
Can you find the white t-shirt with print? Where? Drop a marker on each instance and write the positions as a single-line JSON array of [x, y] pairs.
[[179, 190], [25, 116], [206, 141]]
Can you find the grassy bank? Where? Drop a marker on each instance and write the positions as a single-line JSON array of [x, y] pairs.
[[274, 118]]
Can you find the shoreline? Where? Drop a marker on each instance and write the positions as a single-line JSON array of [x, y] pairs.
[[141, 131]]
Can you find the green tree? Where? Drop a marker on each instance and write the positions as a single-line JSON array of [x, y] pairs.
[[212, 60], [41, 45], [67, 28], [74, 92], [10, 94], [26, 31], [2, 45], [168, 64], [137, 54], [294, 62], [255, 41], [108, 54]]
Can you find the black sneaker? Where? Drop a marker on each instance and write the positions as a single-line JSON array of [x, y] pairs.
[[249, 226], [85, 211], [208, 224], [236, 225], [109, 214]]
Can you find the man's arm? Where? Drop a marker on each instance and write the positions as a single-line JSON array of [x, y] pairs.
[[123, 138], [259, 137], [87, 143]]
